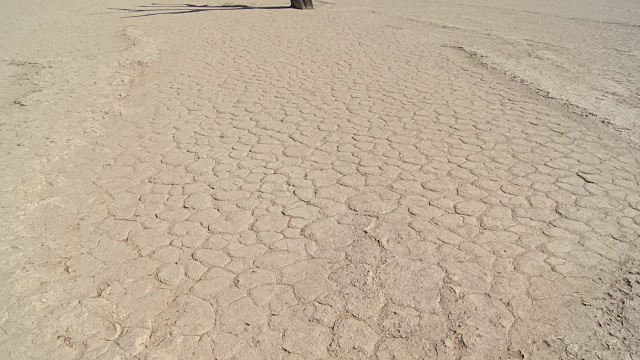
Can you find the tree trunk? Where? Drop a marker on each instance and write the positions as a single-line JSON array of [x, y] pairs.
[[302, 4]]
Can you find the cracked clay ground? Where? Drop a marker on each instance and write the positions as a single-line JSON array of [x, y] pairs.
[[278, 184]]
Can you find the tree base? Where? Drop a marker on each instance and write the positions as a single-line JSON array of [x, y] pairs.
[[302, 4]]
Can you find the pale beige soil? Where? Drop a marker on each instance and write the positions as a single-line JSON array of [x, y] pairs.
[[585, 54], [360, 181]]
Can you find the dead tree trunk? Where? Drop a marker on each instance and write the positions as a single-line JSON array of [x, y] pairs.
[[302, 4]]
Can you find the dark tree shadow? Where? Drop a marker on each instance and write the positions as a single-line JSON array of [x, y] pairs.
[[176, 9]]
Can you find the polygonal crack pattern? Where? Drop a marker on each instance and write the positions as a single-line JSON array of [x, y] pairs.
[[291, 194]]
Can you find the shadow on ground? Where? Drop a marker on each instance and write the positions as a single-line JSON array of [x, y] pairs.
[[176, 9]]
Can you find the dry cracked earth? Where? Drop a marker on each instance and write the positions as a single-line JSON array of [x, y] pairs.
[[330, 184]]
